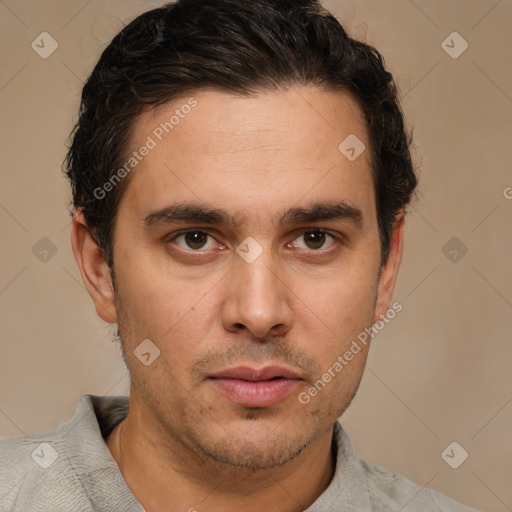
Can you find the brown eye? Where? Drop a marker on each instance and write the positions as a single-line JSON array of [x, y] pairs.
[[192, 240], [195, 239], [314, 239]]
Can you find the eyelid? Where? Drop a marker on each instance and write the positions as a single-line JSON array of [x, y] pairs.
[[192, 230], [337, 238]]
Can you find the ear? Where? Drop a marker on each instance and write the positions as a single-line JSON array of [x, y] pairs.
[[389, 271], [94, 269]]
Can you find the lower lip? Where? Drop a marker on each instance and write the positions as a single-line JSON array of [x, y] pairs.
[[255, 394]]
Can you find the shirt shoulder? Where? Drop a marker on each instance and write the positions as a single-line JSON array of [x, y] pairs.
[[67, 468], [361, 486], [385, 486]]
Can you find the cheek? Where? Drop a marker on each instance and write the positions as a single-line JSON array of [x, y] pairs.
[[345, 305], [177, 316], [173, 330], [154, 297], [148, 309], [331, 325], [333, 390]]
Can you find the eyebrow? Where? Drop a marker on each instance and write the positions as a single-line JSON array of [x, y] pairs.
[[188, 213], [317, 212], [200, 213]]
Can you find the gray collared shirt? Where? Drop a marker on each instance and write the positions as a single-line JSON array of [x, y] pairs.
[[70, 469]]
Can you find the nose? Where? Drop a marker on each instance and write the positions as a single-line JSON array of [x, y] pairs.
[[258, 300]]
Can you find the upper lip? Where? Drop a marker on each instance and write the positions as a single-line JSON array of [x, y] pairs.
[[255, 375]]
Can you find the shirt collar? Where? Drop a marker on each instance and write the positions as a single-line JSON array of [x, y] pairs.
[[347, 489], [90, 457]]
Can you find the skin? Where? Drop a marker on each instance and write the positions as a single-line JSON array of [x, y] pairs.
[[298, 305]]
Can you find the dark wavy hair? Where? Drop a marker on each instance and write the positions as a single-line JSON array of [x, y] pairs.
[[241, 47]]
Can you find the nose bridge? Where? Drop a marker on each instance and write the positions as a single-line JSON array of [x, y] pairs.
[[260, 285], [257, 299]]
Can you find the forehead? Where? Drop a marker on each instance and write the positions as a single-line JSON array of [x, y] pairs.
[[252, 154]]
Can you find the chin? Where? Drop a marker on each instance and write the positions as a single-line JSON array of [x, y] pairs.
[[252, 455], [253, 444]]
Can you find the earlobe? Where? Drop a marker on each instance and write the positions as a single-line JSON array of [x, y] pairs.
[[94, 269], [389, 271]]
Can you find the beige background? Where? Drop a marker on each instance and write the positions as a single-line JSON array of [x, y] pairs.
[[440, 372]]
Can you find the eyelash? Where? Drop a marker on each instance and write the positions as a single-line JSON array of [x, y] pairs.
[[336, 238]]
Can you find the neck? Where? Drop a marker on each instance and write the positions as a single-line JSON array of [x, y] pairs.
[[159, 470]]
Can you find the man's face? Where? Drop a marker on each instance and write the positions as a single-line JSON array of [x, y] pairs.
[[209, 308]]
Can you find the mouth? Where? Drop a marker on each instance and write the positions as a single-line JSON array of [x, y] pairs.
[[251, 387]]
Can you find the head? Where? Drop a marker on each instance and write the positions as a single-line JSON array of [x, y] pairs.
[[227, 119]]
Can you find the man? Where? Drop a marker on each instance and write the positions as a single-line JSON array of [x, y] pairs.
[[240, 172]]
